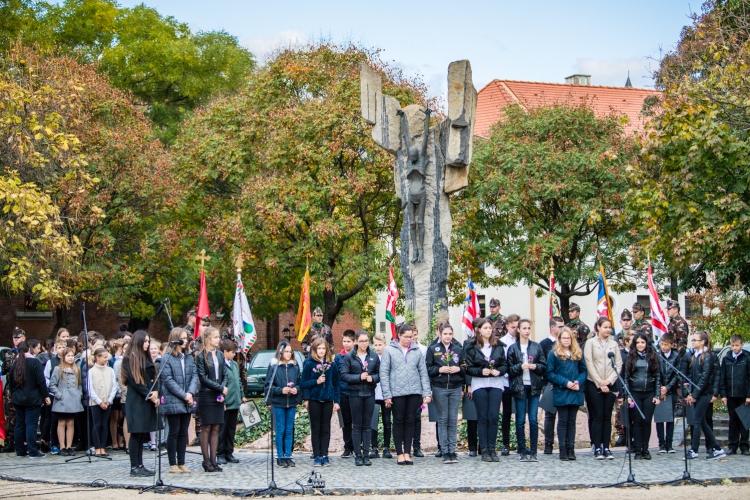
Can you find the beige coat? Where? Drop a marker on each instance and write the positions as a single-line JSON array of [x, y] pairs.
[[598, 365]]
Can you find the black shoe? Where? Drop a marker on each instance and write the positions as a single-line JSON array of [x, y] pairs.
[[290, 462], [347, 454], [447, 459], [366, 460], [646, 455], [206, 467], [472, 453], [232, 459], [143, 472], [662, 450], [506, 451], [637, 455], [730, 451], [387, 453], [598, 454], [439, 454], [217, 467], [281, 462], [608, 454], [418, 453], [548, 448], [374, 453], [563, 454], [620, 441], [571, 453], [486, 456], [9, 447], [494, 456], [670, 449], [37, 455], [523, 457], [44, 447], [63, 453], [533, 458], [746, 453], [358, 461], [220, 460]]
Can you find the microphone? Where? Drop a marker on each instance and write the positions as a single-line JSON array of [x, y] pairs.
[[161, 307], [611, 355], [177, 342]]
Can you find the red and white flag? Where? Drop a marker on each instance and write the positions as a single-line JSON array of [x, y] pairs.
[[471, 310], [390, 305], [658, 318]]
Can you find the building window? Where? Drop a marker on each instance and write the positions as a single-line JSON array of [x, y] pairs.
[[382, 327], [693, 306], [645, 301], [482, 305]]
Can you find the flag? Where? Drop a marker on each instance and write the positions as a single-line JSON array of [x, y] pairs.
[[604, 288], [2, 413], [390, 304], [602, 304], [304, 317], [203, 309], [244, 326], [471, 310], [658, 318], [554, 303]]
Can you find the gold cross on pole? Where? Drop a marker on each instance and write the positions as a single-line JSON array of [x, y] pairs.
[[203, 258]]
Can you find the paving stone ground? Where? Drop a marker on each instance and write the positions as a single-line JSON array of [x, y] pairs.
[[384, 476]]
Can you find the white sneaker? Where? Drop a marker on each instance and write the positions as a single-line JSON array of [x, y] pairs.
[[716, 454]]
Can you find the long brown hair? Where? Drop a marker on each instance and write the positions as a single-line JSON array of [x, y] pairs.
[[314, 351], [707, 340], [73, 366], [653, 361], [137, 359], [174, 335], [20, 366], [478, 337], [575, 350]]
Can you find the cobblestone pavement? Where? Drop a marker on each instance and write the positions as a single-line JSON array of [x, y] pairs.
[[427, 474]]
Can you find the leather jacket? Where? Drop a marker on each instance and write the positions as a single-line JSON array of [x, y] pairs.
[[210, 384]]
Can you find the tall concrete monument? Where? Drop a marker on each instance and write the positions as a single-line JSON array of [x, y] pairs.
[[431, 163]]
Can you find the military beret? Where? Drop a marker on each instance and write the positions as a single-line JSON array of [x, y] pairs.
[[626, 315], [494, 302], [574, 307], [671, 304], [638, 307], [318, 311], [18, 333]]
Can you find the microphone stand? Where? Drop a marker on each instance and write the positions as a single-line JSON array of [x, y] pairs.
[[272, 489], [631, 476], [686, 473], [87, 400]]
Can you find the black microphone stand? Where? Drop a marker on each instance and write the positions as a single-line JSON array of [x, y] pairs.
[[631, 476], [272, 489], [87, 400], [686, 473]]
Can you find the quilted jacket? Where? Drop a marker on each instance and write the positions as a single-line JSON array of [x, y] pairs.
[[403, 374]]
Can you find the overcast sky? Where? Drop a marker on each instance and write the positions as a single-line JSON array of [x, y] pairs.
[[539, 40]]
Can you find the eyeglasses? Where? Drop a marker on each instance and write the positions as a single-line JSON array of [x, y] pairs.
[[407, 337]]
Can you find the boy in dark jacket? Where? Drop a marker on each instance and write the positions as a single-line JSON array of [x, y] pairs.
[[734, 386], [234, 397], [347, 340], [668, 356]]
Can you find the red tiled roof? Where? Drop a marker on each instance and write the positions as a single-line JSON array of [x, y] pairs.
[[499, 93]]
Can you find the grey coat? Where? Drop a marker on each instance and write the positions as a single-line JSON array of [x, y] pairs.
[[403, 375], [176, 385], [66, 392]]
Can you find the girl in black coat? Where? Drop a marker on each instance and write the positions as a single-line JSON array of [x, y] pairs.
[[28, 392], [138, 373], [642, 373], [212, 375]]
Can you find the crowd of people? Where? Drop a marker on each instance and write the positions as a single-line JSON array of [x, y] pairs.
[[56, 389]]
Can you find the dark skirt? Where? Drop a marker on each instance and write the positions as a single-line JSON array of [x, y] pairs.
[[65, 416], [212, 412], [117, 404]]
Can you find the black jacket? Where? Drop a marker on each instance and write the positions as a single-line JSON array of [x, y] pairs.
[[140, 412], [734, 376], [34, 391], [352, 370], [669, 377], [702, 374], [641, 379], [209, 383], [475, 361], [286, 374], [434, 363], [515, 360]]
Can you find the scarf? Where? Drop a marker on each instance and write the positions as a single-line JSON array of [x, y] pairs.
[[101, 381]]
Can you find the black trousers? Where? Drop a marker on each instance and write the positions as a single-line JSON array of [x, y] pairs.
[[599, 405], [320, 413], [487, 402], [701, 409], [404, 412], [508, 405], [738, 435], [227, 431], [566, 426], [100, 426], [666, 440], [346, 416], [135, 448], [417, 441], [641, 426], [361, 412], [177, 438], [472, 434], [549, 428], [45, 423], [80, 435], [385, 416]]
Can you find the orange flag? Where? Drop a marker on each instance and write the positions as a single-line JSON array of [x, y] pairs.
[[203, 309], [304, 317]]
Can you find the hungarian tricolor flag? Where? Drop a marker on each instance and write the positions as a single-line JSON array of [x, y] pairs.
[[244, 326], [602, 307], [203, 309], [304, 317], [658, 318], [390, 305], [471, 310]]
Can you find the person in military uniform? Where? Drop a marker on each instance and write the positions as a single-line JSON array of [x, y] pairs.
[[318, 329], [190, 327], [497, 320], [626, 331], [583, 332], [678, 327], [640, 325], [9, 357]]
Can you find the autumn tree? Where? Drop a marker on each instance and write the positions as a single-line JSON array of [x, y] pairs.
[[549, 183], [286, 173], [85, 152], [157, 58], [691, 190]]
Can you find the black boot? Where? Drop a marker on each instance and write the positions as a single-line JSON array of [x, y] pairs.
[[563, 454], [571, 453], [358, 461], [486, 456]]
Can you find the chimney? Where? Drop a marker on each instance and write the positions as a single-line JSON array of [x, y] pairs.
[[578, 80]]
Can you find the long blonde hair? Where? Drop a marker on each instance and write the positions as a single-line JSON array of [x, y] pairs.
[[205, 337], [575, 350], [328, 358], [73, 366]]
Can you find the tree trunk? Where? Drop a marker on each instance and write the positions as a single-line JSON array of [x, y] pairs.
[[62, 315], [564, 297], [673, 285], [331, 306]]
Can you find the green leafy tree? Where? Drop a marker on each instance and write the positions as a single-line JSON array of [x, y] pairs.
[[549, 183], [286, 173]]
